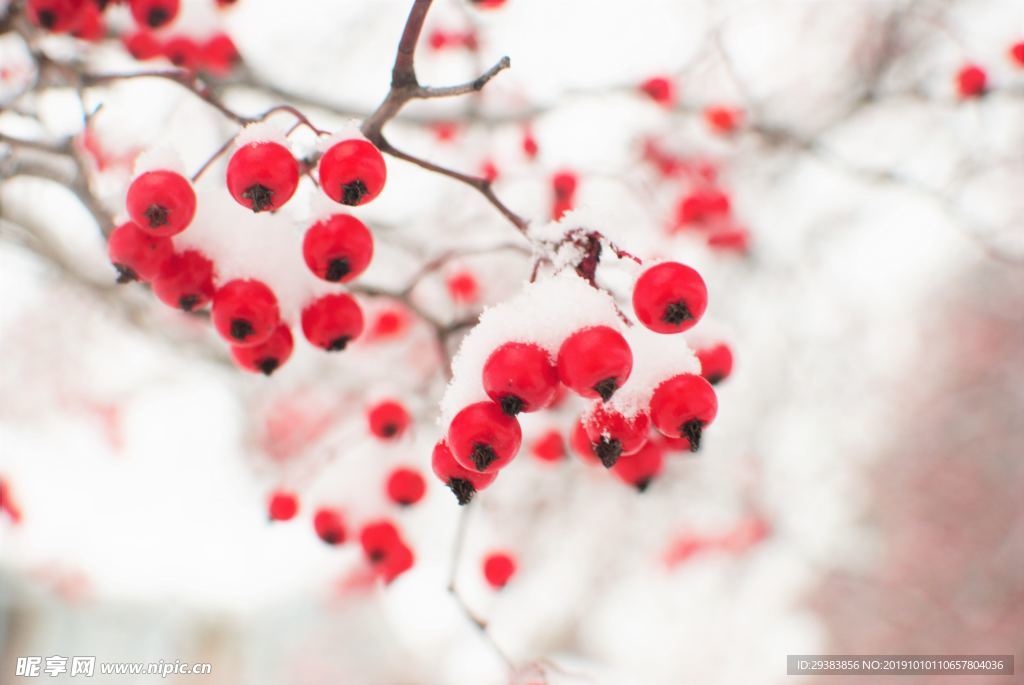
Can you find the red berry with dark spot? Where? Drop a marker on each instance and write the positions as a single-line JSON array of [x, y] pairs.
[[483, 437], [581, 444], [332, 321], [659, 89], [245, 312], [595, 362], [400, 560], [352, 172], [683, 406], [463, 482], [329, 526], [379, 540], [641, 468], [161, 202], [262, 176], [185, 281], [670, 298], [549, 446], [136, 254], [388, 419], [154, 13], [183, 52], [269, 355], [520, 377], [499, 567], [142, 44], [57, 16], [219, 54], [405, 486], [715, 363], [283, 506], [614, 435], [338, 249], [971, 81]]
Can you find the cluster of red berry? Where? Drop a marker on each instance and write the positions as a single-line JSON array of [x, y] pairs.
[[972, 80], [66, 16], [261, 176], [594, 362]]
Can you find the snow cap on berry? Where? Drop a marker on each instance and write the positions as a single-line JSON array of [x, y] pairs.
[[544, 313], [656, 358], [159, 158]]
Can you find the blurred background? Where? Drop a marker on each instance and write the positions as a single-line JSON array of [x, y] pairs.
[[848, 190]]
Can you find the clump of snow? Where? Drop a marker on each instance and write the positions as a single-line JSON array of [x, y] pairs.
[[544, 313], [656, 358], [159, 158], [262, 132], [264, 246]]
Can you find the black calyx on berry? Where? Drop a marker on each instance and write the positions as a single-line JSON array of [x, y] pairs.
[[125, 274], [330, 537], [156, 215], [338, 344], [608, 451], [337, 269], [157, 17], [676, 313], [188, 302], [241, 329], [482, 456], [353, 192], [47, 18], [389, 430], [691, 430], [268, 366], [462, 489], [511, 405], [715, 378], [260, 196], [642, 485], [606, 388]]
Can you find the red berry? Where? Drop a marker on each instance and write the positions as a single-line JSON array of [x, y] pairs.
[[484, 437], [57, 16], [142, 44], [641, 468], [378, 539], [733, 240], [463, 482], [722, 119], [971, 81], [614, 435], [161, 202], [262, 176], [332, 321], [388, 420], [549, 447], [7, 503], [137, 255], [670, 297], [499, 567], [1017, 53], [219, 54], [702, 205], [581, 444], [338, 249], [388, 323], [595, 362], [352, 172], [406, 486], [520, 377], [400, 560], [283, 505], [329, 526], [659, 89], [463, 288], [715, 363], [89, 24], [530, 146], [154, 13], [488, 4], [269, 355], [564, 184], [683, 406], [183, 52], [185, 281], [245, 312]]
